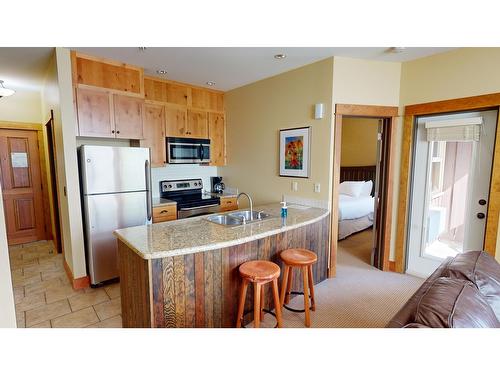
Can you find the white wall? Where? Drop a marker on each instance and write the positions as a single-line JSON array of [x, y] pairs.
[[7, 308]]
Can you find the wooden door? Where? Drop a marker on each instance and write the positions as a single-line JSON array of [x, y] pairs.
[[197, 124], [95, 117], [154, 133], [22, 186], [175, 122], [217, 134], [128, 117]]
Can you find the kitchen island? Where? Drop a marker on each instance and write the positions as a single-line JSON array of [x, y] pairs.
[[184, 273]]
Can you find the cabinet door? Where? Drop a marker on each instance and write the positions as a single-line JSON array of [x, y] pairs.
[[154, 133], [128, 117], [204, 99], [217, 134], [197, 124], [175, 122], [95, 117]]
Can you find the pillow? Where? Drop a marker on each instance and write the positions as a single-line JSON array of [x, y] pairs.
[[367, 189], [352, 188]]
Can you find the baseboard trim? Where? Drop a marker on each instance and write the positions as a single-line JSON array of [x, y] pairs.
[[80, 283], [392, 266]]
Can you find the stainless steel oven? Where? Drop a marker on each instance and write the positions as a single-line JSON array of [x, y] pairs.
[[187, 150]]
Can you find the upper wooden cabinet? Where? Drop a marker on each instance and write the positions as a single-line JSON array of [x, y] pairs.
[[176, 124], [166, 92], [128, 117], [217, 135], [209, 100], [95, 114], [106, 115], [197, 124], [154, 133], [111, 75]]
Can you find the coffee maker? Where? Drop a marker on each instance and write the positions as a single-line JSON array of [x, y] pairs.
[[217, 185]]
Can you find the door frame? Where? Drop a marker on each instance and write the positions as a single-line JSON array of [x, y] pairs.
[[480, 102], [380, 112], [11, 125]]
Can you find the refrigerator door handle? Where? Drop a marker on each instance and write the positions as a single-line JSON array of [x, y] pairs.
[[149, 203]]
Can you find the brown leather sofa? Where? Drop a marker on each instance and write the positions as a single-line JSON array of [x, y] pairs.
[[464, 292]]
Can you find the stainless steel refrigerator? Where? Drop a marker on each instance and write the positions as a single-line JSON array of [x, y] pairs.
[[116, 193]]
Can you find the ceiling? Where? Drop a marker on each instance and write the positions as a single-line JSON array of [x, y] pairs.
[[24, 68]]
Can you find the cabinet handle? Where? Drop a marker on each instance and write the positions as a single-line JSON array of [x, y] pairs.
[[117, 132], [163, 212], [112, 132]]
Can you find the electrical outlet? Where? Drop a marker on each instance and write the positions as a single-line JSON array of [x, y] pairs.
[[317, 187], [295, 186]]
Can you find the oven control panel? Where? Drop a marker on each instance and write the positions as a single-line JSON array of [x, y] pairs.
[[180, 185]]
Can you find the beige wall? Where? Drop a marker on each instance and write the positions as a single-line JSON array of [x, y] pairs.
[[455, 74], [256, 112], [57, 94], [23, 106], [7, 310], [359, 142]]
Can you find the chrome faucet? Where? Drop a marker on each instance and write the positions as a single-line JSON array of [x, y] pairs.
[[249, 200]]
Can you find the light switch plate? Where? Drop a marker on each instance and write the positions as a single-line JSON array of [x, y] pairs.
[[295, 186], [317, 187]]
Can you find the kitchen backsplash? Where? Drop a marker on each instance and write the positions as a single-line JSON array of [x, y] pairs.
[[181, 171]]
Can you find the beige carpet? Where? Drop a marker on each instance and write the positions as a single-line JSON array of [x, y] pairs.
[[360, 296]]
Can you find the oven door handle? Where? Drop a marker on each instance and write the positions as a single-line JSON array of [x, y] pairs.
[[195, 208]]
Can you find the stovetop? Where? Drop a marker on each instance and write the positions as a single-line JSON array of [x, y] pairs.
[[187, 193]]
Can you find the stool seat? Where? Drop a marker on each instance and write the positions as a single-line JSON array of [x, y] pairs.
[[298, 257], [259, 270]]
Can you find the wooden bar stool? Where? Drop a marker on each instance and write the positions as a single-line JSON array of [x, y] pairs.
[[259, 272], [304, 259]]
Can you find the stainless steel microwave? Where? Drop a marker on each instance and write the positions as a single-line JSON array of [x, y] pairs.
[[187, 150]]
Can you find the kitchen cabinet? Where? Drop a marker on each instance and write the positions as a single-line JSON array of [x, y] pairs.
[[217, 135], [197, 124], [176, 124], [106, 115], [164, 213], [154, 133], [207, 99], [228, 204]]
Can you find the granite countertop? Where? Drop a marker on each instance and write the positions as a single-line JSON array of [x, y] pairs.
[[193, 235], [162, 202]]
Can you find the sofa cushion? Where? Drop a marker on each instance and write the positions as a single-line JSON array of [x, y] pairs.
[[482, 270], [454, 303]]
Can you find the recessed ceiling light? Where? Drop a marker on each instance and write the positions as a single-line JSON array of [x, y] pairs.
[[279, 56], [142, 49], [161, 71], [5, 91], [395, 49], [211, 83]]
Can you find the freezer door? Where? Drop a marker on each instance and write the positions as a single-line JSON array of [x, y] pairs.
[[107, 169], [104, 214]]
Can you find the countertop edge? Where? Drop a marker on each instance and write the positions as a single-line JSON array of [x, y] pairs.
[[218, 245]]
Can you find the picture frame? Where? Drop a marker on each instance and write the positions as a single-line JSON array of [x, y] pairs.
[[295, 151]]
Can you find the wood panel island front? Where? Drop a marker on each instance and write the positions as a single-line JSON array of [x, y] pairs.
[[185, 273]]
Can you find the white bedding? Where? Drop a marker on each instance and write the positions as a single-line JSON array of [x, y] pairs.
[[355, 207]]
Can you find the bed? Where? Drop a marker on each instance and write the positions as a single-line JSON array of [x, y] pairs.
[[356, 211]]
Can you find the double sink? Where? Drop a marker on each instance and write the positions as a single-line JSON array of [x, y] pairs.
[[237, 218]]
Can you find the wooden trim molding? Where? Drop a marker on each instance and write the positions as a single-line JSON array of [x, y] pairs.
[[80, 283], [365, 110], [480, 102], [392, 266]]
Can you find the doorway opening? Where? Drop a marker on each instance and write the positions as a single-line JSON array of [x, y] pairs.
[[362, 193], [450, 185]]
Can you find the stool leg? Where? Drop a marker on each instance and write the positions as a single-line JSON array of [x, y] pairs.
[[241, 303], [311, 287], [284, 281], [262, 302], [289, 285], [256, 305], [306, 296], [277, 304]]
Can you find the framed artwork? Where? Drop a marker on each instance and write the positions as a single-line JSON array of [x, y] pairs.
[[295, 152]]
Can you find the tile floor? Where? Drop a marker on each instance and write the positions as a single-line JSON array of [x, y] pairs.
[[45, 299]]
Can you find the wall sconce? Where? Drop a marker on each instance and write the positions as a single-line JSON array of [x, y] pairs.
[[318, 111]]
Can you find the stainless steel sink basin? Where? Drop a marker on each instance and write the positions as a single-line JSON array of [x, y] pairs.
[[238, 218]]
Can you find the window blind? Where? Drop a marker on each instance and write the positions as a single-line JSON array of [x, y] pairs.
[[458, 130]]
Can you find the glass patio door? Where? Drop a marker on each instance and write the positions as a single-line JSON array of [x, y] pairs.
[[450, 187]]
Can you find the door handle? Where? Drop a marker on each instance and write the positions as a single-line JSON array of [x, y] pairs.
[[480, 215], [149, 203]]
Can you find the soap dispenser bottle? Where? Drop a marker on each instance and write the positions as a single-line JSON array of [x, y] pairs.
[[284, 209]]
